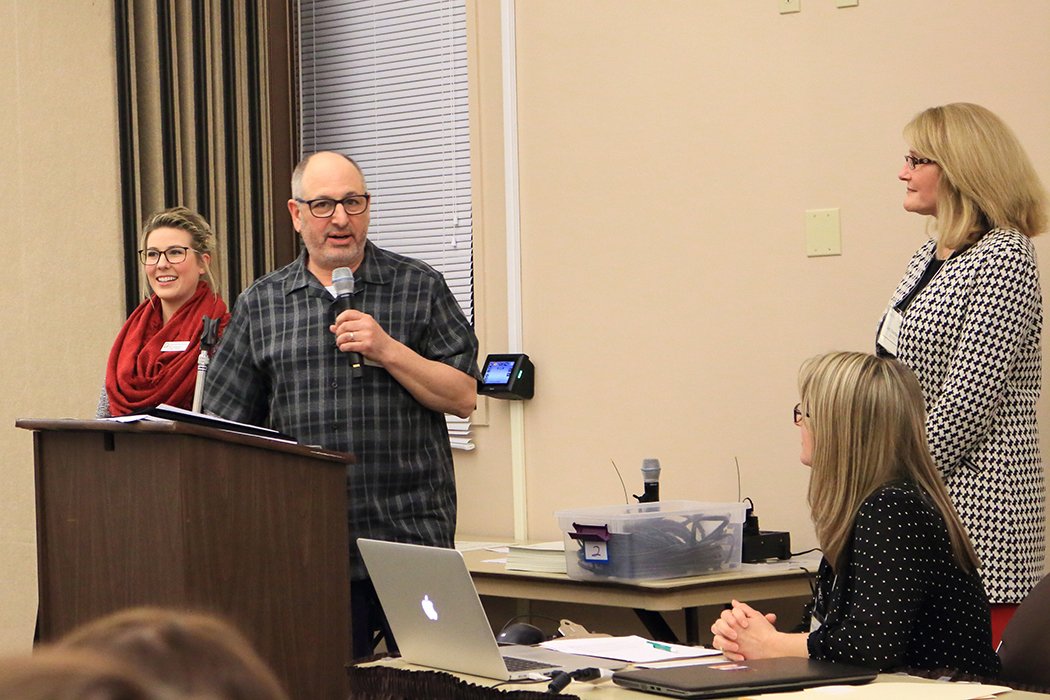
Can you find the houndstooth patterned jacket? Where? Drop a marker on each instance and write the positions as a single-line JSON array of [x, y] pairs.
[[972, 337]]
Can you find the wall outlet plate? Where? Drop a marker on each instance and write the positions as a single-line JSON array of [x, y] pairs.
[[823, 233]]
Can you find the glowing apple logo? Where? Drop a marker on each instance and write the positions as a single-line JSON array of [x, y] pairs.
[[428, 608]]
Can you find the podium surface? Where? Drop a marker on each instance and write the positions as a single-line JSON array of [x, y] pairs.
[[177, 515]]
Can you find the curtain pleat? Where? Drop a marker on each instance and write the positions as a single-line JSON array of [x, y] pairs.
[[207, 122]]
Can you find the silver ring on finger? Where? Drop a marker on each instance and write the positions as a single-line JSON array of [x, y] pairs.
[[351, 336]]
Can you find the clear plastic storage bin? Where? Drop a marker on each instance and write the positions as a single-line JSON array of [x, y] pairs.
[[649, 541]]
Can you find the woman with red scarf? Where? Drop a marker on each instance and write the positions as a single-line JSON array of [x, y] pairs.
[[154, 359]]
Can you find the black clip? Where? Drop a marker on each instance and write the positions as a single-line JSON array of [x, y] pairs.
[[209, 333]]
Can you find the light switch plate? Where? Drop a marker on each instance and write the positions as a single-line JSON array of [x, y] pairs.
[[823, 233], [789, 6]]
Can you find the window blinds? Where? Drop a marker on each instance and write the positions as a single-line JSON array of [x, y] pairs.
[[385, 81]]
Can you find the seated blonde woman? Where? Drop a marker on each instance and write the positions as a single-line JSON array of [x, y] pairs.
[[898, 585]]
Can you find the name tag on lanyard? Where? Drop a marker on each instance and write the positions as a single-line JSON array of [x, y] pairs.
[[175, 346], [890, 333]]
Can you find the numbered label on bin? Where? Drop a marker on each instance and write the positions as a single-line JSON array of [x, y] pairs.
[[596, 551]]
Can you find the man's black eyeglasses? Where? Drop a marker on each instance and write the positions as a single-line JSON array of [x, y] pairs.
[[323, 207]]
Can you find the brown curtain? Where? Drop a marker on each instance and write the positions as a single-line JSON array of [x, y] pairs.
[[207, 121]]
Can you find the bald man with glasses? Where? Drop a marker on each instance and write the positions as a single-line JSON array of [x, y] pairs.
[[284, 362]]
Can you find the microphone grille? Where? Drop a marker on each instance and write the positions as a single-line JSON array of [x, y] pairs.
[[650, 470], [343, 281]]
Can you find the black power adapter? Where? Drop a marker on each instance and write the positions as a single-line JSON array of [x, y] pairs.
[[760, 545]]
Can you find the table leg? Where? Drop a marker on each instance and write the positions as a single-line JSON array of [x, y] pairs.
[[692, 626], [657, 626]]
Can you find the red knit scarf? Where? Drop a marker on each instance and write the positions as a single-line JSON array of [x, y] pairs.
[[139, 375]]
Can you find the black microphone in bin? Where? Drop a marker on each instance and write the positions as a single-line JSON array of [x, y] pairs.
[[343, 281], [650, 481]]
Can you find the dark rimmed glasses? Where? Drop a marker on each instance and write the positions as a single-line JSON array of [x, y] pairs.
[[796, 414], [912, 161], [324, 208], [174, 255]]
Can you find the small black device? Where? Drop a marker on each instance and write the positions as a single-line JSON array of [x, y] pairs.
[[507, 377], [561, 679], [209, 333], [766, 544], [760, 545]]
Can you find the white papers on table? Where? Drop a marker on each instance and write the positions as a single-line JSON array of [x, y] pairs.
[[633, 649], [675, 663], [469, 546], [810, 562], [134, 419]]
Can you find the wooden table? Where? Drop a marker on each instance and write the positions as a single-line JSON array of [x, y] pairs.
[[649, 599]]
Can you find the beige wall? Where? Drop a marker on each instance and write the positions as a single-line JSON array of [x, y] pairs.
[[668, 152], [61, 267]]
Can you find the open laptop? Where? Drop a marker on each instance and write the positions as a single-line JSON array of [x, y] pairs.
[[437, 619], [733, 678]]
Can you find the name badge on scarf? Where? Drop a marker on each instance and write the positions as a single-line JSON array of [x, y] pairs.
[[175, 346]]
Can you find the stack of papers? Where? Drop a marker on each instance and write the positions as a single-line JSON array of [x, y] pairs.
[[473, 546], [633, 649], [548, 557]]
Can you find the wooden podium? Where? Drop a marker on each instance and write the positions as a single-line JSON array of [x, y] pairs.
[[172, 514]]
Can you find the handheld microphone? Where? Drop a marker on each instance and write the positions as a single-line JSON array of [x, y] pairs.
[[650, 481], [343, 281]]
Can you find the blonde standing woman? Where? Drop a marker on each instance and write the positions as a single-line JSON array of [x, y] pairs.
[[967, 319]]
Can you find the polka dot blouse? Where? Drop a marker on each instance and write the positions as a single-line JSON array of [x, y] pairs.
[[901, 600]]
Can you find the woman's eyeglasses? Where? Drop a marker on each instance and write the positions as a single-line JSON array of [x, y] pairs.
[[912, 161], [796, 414], [174, 255]]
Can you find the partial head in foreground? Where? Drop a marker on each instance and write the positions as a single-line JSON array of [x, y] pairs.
[[195, 653], [53, 673]]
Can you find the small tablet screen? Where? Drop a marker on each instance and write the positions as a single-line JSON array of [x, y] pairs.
[[498, 371]]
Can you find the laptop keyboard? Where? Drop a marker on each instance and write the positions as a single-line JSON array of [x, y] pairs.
[[515, 664]]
